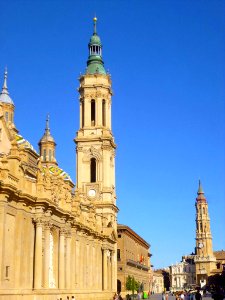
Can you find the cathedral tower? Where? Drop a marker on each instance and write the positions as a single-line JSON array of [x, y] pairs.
[[204, 259], [95, 143]]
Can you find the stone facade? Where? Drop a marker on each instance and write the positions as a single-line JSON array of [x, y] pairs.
[[182, 274], [58, 239], [133, 258], [157, 282]]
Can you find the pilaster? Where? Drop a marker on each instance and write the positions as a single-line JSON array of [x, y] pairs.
[[38, 255]]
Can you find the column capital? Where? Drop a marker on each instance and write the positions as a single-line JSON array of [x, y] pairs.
[[48, 225], [39, 221]]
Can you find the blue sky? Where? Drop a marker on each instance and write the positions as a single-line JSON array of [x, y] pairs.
[[167, 63]]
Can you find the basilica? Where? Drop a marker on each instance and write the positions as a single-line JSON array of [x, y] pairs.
[[58, 238]]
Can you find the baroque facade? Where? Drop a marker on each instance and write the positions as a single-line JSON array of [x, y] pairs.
[[58, 239], [157, 284], [133, 256], [183, 274]]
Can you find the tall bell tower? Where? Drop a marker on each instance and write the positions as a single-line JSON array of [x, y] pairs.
[[95, 146], [205, 260]]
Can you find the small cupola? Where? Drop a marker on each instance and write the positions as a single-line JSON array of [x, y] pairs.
[[4, 95], [7, 103], [47, 146]]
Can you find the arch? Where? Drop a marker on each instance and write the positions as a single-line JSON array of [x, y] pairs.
[[93, 169]]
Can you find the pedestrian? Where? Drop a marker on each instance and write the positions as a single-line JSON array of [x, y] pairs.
[[167, 296], [163, 296], [198, 295], [182, 296]]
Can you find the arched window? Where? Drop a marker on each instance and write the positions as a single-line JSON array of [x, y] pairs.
[[92, 112], [103, 113], [203, 210], [93, 170]]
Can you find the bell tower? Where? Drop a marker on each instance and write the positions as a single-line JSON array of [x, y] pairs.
[[95, 146], [204, 259]]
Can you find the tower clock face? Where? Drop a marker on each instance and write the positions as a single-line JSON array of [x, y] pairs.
[[200, 245], [91, 193]]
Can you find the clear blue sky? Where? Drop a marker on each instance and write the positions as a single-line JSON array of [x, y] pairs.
[[167, 61]]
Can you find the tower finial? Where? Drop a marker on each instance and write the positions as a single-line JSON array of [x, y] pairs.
[[200, 190], [47, 122], [95, 24], [5, 80]]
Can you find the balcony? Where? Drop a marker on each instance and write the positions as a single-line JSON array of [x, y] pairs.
[[137, 265]]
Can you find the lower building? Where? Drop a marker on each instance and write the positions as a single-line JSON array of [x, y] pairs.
[[133, 258], [157, 285], [183, 274]]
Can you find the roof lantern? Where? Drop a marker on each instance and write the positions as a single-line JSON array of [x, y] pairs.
[[95, 64], [4, 95]]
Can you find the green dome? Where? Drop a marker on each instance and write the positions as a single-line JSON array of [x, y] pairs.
[[95, 40], [95, 68]]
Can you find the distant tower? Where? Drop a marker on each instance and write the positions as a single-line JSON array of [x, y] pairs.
[[7, 105], [47, 146], [95, 142], [204, 259]]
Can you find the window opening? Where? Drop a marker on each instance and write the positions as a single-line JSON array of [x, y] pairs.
[[103, 113], [93, 170], [92, 112], [50, 155], [44, 155]]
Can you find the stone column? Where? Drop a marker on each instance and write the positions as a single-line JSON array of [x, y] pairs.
[[62, 259], [73, 258], [38, 256], [77, 263], [68, 260], [114, 277], [46, 255], [105, 269]]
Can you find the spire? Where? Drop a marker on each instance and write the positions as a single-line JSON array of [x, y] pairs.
[[5, 82], [47, 137], [4, 95], [47, 129], [200, 192], [95, 64]]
